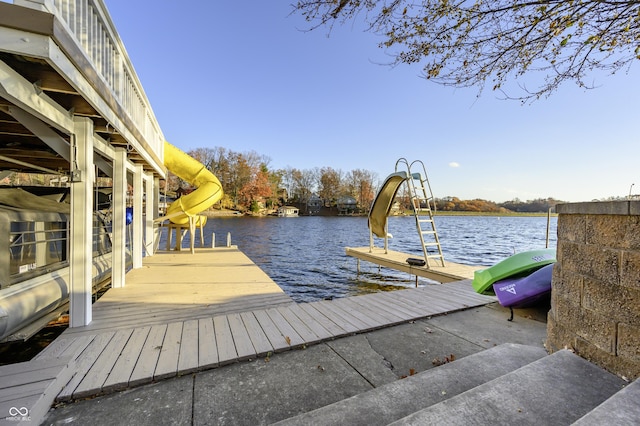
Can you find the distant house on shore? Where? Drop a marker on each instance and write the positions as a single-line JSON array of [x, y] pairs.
[[288, 211], [314, 205], [347, 205]]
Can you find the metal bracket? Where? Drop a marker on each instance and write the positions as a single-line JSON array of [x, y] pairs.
[[76, 176]]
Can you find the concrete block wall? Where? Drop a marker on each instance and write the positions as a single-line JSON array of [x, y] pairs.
[[595, 301]]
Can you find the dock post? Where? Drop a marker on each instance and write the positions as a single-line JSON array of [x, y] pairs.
[[228, 239], [548, 226], [119, 227], [149, 202], [80, 263], [213, 240], [137, 223]]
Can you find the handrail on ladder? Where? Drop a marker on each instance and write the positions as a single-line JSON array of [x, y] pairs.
[[424, 207]]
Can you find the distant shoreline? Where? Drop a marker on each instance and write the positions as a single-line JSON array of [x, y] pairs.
[[235, 213], [458, 213]]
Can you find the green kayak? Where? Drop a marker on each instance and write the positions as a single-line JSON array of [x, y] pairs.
[[516, 264]]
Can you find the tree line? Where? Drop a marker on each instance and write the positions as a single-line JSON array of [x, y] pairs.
[[478, 205], [250, 184]]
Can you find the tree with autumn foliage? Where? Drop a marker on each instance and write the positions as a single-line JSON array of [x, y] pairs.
[[361, 185], [245, 177], [329, 185], [257, 189], [487, 43]]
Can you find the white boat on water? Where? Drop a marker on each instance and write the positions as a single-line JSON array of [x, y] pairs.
[[288, 211], [35, 267]]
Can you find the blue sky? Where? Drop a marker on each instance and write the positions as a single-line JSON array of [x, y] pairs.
[[245, 76]]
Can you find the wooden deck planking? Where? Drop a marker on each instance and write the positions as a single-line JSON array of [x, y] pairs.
[[347, 316], [167, 365], [15, 374], [85, 361], [331, 326], [426, 302], [163, 314], [451, 297], [149, 355], [241, 339], [369, 303], [59, 348], [207, 346], [342, 323], [188, 357], [397, 260], [99, 372], [369, 317], [33, 385], [312, 323], [456, 293], [180, 286], [30, 390], [55, 349], [277, 340], [126, 362], [406, 303], [411, 306], [224, 340], [118, 303], [301, 328], [288, 332], [258, 338]]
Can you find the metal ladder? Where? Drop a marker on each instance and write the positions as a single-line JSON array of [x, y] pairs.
[[423, 205]]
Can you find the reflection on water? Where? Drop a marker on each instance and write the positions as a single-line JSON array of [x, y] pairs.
[[306, 255]]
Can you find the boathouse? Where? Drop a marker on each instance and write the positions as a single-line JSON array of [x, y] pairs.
[[72, 105]]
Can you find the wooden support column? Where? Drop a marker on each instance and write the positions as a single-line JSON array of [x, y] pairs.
[[82, 172], [138, 223], [150, 213], [156, 197], [119, 204]]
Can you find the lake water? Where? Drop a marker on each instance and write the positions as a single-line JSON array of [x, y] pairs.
[[306, 256]]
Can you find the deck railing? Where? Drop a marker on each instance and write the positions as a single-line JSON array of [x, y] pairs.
[[88, 21]]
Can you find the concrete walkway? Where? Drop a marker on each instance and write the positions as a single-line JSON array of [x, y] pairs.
[[276, 387]]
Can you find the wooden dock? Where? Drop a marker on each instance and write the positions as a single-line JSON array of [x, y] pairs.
[[183, 313], [398, 261], [177, 285]]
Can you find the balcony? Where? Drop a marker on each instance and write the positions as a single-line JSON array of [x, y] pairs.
[[63, 59]]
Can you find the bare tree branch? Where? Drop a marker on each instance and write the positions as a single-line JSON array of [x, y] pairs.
[[467, 43]]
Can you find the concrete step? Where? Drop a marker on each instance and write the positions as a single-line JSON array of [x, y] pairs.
[[555, 390], [621, 409], [393, 401]]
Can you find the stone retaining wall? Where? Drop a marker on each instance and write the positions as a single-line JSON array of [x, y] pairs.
[[595, 302]]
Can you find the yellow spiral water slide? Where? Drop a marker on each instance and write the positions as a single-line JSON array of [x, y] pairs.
[[208, 192]]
